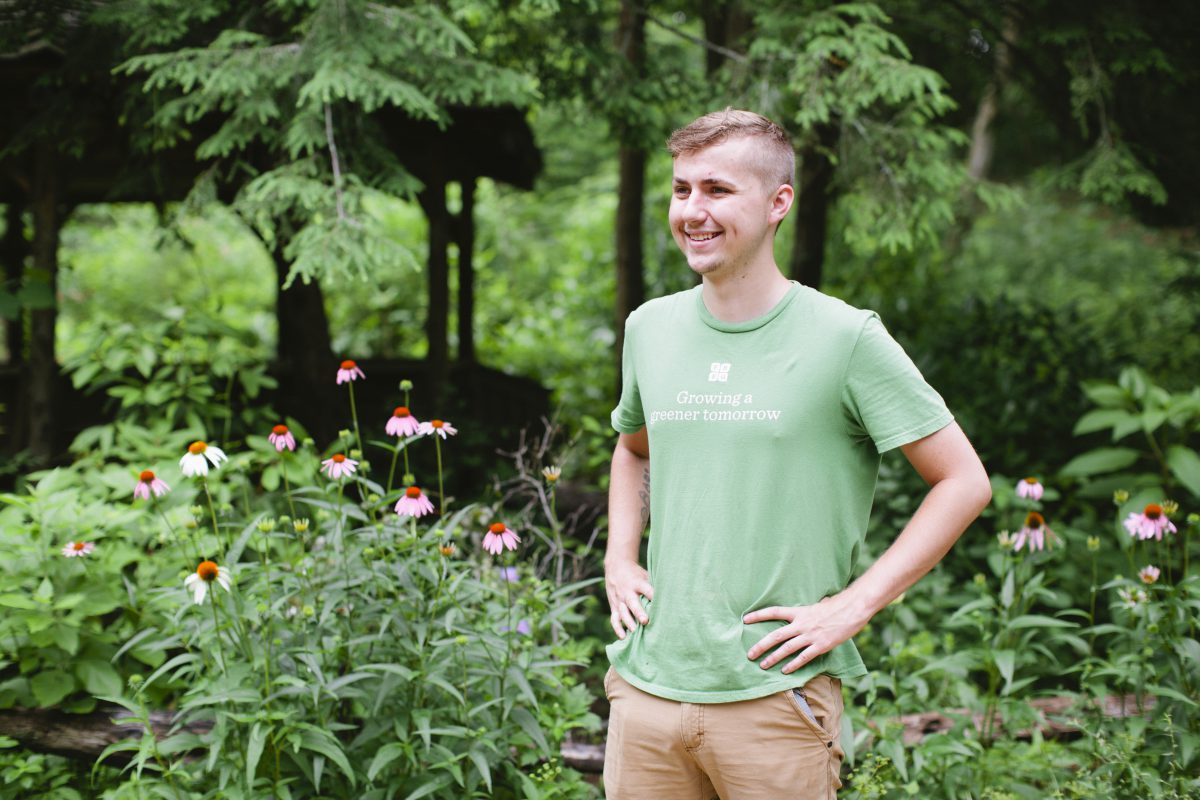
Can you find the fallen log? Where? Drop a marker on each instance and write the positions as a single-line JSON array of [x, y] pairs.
[[84, 736]]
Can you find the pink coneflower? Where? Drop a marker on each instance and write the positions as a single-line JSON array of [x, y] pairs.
[[147, 483], [414, 503], [281, 437], [1149, 524], [1034, 532], [441, 428], [1030, 488], [349, 371], [402, 423], [338, 466], [208, 572], [199, 455], [1149, 574], [498, 537], [77, 549]]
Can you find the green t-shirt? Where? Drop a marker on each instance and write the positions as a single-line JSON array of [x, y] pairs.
[[765, 441]]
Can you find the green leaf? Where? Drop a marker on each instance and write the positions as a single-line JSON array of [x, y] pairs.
[[51, 686], [254, 749], [1106, 395], [98, 676], [531, 727], [1005, 662], [481, 764], [1099, 461], [1185, 465], [429, 788], [329, 747], [17, 601], [1101, 419], [384, 756], [1040, 621]]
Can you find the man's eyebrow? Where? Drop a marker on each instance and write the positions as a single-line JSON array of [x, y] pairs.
[[709, 181]]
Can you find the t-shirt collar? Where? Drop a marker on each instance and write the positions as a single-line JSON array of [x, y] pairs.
[[746, 325]]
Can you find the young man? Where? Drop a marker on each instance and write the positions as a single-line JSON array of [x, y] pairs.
[[757, 409]]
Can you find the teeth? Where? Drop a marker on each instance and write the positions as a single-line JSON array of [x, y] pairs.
[[701, 237]]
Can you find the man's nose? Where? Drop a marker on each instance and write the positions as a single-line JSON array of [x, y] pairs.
[[694, 207]]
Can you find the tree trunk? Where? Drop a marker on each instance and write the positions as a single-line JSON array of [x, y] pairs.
[[631, 289], [464, 237], [13, 250], [725, 23], [43, 367], [813, 198], [437, 320], [305, 363], [979, 160]]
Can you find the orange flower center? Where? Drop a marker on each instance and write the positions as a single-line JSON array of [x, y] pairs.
[[348, 364], [196, 448], [437, 423], [1034, 520], [497, 527], [279, 430], [77, 546], [146, 476], [207, 571], [447, 549], [1153, 511], [338, 458], [413, 491], [1031, 481], [401, 411]]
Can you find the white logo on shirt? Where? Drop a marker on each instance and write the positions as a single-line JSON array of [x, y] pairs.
[[718, 372]]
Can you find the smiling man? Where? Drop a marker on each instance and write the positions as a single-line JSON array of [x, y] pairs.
[[758, 410]]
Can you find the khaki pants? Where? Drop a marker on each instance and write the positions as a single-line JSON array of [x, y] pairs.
[[768, 748]]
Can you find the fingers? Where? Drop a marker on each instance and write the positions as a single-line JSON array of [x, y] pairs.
[[807, 655], [783, 651], [628, 612], [763, 614]]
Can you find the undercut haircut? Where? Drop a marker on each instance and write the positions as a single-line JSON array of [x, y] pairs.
[[776, 160]]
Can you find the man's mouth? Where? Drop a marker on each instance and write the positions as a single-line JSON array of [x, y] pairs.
[[702, 236]]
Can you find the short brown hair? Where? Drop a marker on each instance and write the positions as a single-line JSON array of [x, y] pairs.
[[777, 160]]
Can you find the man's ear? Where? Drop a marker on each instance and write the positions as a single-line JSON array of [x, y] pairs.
[[781, 203]]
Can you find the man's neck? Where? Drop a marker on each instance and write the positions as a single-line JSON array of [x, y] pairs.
[[741, 297]]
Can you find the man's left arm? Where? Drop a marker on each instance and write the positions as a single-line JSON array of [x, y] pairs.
[[959, 490]]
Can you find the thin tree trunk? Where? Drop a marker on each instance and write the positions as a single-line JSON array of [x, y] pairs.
[[631, 289], [813, 198], [43, 367], [979, 160], [14, 249], [725, 23], [465, 239]]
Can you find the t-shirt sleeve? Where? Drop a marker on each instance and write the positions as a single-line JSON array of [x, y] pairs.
[[885, 397], [628, 417]]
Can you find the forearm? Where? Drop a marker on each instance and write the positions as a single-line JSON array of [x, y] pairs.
[[949, 507], [628, 504]]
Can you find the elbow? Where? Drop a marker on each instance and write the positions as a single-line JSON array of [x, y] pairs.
[[981, 491]]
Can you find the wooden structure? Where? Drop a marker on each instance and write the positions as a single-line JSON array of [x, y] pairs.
[[68, 140]]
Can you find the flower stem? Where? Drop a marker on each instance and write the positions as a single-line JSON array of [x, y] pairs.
[[212, 510], [287, 489], [392, 471], [354, 416], [437, 446], [217, 629]]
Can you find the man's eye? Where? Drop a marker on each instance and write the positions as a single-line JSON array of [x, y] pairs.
[[681, 191], [719, 190]]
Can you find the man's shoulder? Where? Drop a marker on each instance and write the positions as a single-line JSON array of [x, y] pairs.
[[660, 309], [828, 308]]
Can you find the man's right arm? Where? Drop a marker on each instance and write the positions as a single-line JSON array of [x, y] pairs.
[[628, 512]]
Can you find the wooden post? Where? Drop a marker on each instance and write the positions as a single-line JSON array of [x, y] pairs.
[[464, 237], [43, 367]]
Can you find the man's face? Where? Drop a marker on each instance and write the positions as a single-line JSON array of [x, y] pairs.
[[722, 213]]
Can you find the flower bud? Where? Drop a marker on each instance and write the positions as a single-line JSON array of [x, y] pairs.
[[343, 434], [1093, 544], [196, 511], [135, 681], [285, 520], [408, 480], [266, 525], [308, 611], [300, 525], [1170, 507], [1120, 497], [368, 552], [406, 385]]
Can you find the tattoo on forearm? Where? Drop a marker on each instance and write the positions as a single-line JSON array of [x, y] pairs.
[[644, 493]]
